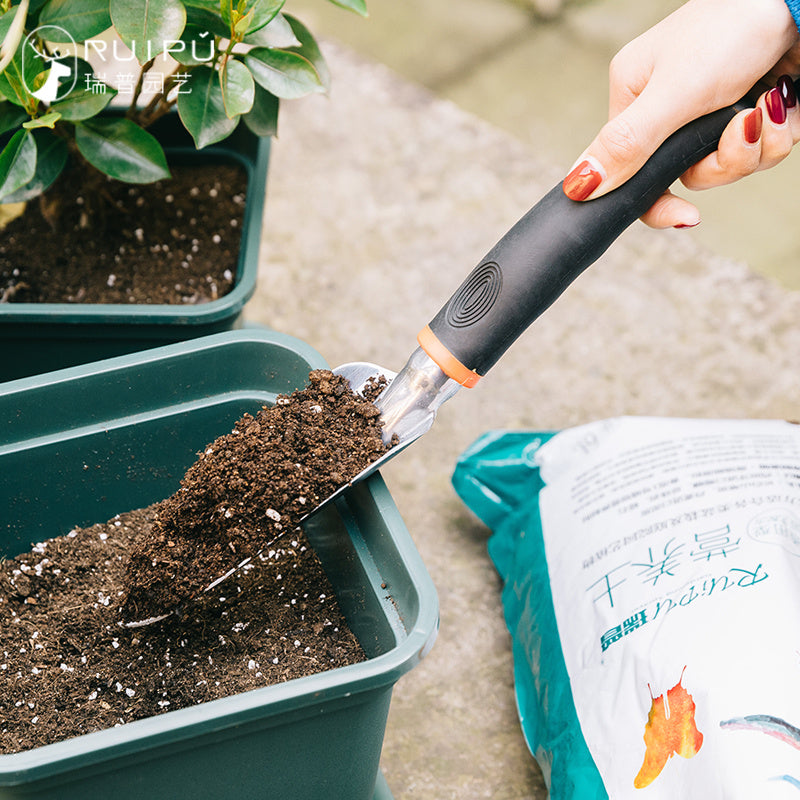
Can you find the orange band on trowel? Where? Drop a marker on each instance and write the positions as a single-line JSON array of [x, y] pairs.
[[448, 363]]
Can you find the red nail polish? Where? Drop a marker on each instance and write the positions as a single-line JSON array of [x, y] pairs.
[[775, 106], [752, 126], [582, 181], [787, 90], [686, 225]]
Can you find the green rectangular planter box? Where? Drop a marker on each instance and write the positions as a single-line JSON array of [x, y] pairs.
[[78, 446], [39, 337]]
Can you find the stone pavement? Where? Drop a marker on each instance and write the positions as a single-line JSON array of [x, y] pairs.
[[381, 198]]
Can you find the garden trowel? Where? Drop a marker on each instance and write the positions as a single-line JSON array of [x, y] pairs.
[[518, 279]]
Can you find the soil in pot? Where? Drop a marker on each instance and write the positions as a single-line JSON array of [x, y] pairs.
[[67, 665], [173, 242]]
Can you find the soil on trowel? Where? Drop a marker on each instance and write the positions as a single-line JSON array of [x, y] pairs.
[[68, 665], [250, 488], [93, 240]]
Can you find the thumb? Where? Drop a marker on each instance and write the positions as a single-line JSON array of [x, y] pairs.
[[620, 149]]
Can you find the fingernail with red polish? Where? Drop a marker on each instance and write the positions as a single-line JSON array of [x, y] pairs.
[[787, 90], [583, 180], [752, 126], [776, 107], [686, 225]]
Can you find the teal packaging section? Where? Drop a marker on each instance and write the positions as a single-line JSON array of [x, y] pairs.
[[498, 479], [82, 444], [39, 337]]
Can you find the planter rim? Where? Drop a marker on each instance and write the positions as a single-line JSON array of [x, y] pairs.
[[249, 332], [258, 706]]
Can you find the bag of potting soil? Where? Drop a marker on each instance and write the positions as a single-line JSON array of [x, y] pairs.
[[652, 591]]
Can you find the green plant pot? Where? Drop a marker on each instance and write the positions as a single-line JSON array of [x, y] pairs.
[[39, 337], [66, 462]]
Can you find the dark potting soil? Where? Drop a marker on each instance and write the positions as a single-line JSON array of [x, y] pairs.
[[173, 242], [67, 664], [67, 667], [250, 488]]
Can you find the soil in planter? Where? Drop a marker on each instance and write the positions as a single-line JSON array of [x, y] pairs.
[[68, 667], [173, 242]]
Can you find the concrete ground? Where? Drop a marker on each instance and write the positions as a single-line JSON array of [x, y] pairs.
[[381, 198]]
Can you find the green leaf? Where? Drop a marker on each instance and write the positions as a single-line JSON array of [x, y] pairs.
[[13, 37], [17, 80], [238, 88], [17, 162], [262, 11], [241, 26], [146, 25], [83, 102], [35, 7], [359, 6], [206, 17], [5, 22], [309, 49], [282, 72], [278, 33], [13, 87], [202, 110], [81, 19], [51, 156], [11, 116], [121, 149], [262, 118], [47, 120]]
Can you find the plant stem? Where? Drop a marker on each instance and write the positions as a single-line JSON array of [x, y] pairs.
[[138, 90], [161, 104]]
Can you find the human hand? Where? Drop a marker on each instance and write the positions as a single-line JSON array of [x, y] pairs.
[[706, 55]]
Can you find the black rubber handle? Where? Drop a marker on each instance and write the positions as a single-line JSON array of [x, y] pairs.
[[552, 244]]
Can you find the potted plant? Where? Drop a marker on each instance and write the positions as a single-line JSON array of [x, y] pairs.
[[311, 737], [100, 98]]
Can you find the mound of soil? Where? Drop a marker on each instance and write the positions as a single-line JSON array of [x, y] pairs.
[[69, 666], [249, 488]]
